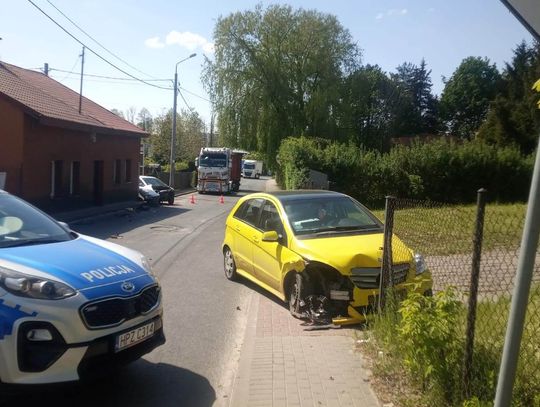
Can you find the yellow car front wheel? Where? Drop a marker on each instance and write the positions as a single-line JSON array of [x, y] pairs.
[[229, 265]]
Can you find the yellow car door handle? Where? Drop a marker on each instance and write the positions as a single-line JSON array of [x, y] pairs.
[[237, 228], [255, 239]]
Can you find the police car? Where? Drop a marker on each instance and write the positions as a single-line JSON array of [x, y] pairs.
[[69, 304]]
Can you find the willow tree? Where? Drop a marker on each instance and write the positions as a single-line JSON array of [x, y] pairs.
[[277, 73]]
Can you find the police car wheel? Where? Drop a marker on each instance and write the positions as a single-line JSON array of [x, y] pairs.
[[229, 265]]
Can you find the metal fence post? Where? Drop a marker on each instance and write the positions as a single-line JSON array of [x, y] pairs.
[[386, 266], [473, 289], [520, 296]]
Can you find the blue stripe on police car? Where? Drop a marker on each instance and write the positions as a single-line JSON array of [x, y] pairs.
[[79, 262]]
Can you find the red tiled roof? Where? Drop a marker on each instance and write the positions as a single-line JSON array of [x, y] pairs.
[[50, 99]]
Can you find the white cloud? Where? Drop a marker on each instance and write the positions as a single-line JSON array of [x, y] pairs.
[[379, 16], [154, 42], [395, 11], [189, 40]]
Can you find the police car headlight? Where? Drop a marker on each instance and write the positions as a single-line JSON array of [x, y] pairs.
[[24, 285], [419, 263]]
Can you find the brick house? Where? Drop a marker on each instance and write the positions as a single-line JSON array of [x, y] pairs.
[[54, 156]]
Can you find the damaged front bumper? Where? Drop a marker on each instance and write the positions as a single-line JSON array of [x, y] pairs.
[[343, 302]]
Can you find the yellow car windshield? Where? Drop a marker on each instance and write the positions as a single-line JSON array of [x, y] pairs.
[[328, 215]]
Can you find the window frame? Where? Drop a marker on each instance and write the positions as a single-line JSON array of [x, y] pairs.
[[241, 212], [117, 172], [75, 184]]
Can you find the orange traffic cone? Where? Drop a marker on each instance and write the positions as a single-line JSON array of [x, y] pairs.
[[192, 200], [221, 200]]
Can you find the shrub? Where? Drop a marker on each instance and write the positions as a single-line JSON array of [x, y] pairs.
[[431, 339], [439, 171]]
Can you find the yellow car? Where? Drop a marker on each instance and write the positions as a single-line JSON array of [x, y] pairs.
[[320, 251]]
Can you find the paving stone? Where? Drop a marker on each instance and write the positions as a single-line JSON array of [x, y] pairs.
[[284, 365]]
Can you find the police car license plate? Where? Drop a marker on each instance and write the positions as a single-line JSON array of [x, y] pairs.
[[134, 336]]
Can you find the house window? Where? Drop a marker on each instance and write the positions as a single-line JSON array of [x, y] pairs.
[[117, 171], [75, 178], [56, 178], [128, 170]]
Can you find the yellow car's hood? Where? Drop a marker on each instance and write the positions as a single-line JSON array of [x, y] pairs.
[[346, 252]]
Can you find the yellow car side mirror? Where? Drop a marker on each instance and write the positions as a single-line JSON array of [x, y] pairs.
[[270, 236]]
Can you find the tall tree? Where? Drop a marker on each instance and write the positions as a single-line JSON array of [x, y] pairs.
[[145, 120], [370, 101], [275, 75], [117, 112], [417, 113], [130, 114], [513, 117], [467, 94], [189, 137]]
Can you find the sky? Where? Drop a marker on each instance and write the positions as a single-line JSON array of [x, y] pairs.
[[147, 38]]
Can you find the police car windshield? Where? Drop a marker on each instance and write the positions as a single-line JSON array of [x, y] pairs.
[[22, 224]]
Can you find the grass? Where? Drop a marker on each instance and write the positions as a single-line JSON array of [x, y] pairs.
[[394, 382], [445, 230]]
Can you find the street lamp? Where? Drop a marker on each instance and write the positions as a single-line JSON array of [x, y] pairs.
[[173, 136]]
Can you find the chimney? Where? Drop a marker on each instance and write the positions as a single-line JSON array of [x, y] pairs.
[[46, 69]]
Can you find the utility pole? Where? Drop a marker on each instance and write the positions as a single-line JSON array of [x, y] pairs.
[[82, 74], [211, 141], [173, 136]]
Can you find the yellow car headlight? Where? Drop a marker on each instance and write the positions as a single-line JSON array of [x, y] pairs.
[[420, 263]]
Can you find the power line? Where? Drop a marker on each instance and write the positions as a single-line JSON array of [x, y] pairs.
[[94, 52], [96, 41], [107, 77], [194, 94], [185, 102], [127, 80], [72, 68], [74, 77]]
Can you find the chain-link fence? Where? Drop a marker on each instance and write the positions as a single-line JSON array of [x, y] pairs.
[[475, 250]]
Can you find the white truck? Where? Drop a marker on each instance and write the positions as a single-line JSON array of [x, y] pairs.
[[252, 169], [218, 170]]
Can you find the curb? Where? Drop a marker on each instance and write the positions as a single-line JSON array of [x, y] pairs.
[[240, 388], [101, 211]]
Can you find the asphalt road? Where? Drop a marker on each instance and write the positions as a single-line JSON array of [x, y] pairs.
[[204, 314]]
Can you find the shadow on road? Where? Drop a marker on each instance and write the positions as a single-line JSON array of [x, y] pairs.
[[257, 288], [121, 222], [140, 384]]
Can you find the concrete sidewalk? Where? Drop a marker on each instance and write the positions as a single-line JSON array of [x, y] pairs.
[[94, 212], [271, 185], [285, 364]]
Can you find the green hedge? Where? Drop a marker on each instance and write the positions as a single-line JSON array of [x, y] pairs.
[[441, 170]]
